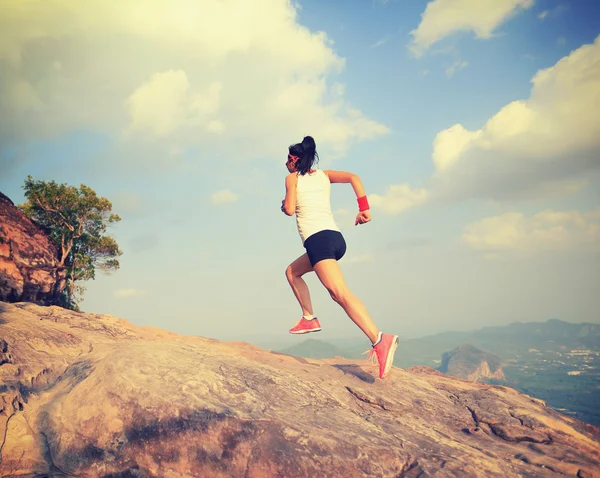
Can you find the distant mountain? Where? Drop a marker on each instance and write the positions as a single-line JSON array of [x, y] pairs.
[[470, 363], [505, 341], [313, 348], [553, 331]]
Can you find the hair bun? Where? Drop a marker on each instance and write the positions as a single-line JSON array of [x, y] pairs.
[[308, 144]]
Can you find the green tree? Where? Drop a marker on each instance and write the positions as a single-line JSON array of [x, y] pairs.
[[76, 219]]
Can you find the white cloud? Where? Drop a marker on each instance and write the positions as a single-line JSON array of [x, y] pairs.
[[357, 259], [547, 141], [224, 196], [381, 42], [541, 147], [165, 103], [545, 231], [549, 189], [555, 12], [344, 218], [129, 293], [398, 198], [443, 18], [20, 97], [457, 65], [234, 75]]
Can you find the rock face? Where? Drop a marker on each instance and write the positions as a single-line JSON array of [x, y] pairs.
[[28, 259], [470, 363], [92, 395]]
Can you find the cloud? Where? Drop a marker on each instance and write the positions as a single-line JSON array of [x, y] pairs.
[[356, 259], [457, 65], [542, 147], [546, 142], [129, 293], [398, 198], [195, 75], [344, 218], [555, 12], [408, 243], [545, 231], [224, 196], [381, 42], [166, 103], [443, 18]]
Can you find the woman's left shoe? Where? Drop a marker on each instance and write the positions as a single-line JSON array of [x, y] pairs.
[[305, 326]]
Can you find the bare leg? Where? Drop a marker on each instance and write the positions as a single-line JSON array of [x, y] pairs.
[[294, 273], [330, 274]]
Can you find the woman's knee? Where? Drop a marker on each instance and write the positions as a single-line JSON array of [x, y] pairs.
[[338, 294], [291, 273]]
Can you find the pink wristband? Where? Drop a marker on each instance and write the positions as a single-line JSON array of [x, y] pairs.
[[363, 204]]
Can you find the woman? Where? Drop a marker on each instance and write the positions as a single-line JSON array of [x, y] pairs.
[[308, 196]]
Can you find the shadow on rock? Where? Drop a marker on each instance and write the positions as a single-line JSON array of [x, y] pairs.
[[299, 359], [356, 371]]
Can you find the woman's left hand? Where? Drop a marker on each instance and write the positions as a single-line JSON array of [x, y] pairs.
[[362, 217]]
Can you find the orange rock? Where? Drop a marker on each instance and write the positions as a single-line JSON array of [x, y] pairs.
[[28, 259], [92, 395]]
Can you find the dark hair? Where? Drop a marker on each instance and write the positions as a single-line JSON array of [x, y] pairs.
[[307, 152]]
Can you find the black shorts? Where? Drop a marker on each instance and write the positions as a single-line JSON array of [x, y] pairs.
[[325, 244]]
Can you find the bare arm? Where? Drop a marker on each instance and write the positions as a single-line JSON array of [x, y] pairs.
[[289, 203], [343, 177]]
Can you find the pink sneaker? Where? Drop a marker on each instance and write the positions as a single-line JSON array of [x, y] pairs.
[[304, 326], [383, 352]]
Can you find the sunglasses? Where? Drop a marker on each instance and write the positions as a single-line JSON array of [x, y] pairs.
[[291, 157]]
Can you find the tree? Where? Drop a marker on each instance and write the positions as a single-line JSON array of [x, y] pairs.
[[76, 219]]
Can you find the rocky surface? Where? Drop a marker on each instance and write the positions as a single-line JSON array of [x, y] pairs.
[[28, 259], [470, 363], [92, 395]]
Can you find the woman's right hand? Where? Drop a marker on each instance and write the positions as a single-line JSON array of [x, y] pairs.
[[362, 217]]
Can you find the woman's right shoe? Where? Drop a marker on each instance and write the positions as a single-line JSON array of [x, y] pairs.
[[384, 352]]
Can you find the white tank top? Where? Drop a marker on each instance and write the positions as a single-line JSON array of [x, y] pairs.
[[313, 208]]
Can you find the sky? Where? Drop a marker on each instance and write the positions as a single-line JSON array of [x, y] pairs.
[[473, 125]]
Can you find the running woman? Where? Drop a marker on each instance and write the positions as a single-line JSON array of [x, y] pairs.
[[308, 196]]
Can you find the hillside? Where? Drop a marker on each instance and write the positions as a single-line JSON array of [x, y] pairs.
[[92, 394]]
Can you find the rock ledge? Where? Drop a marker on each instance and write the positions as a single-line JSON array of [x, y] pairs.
[[93, 395]]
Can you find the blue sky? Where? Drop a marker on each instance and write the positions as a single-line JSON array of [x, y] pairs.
[[471, 123]]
